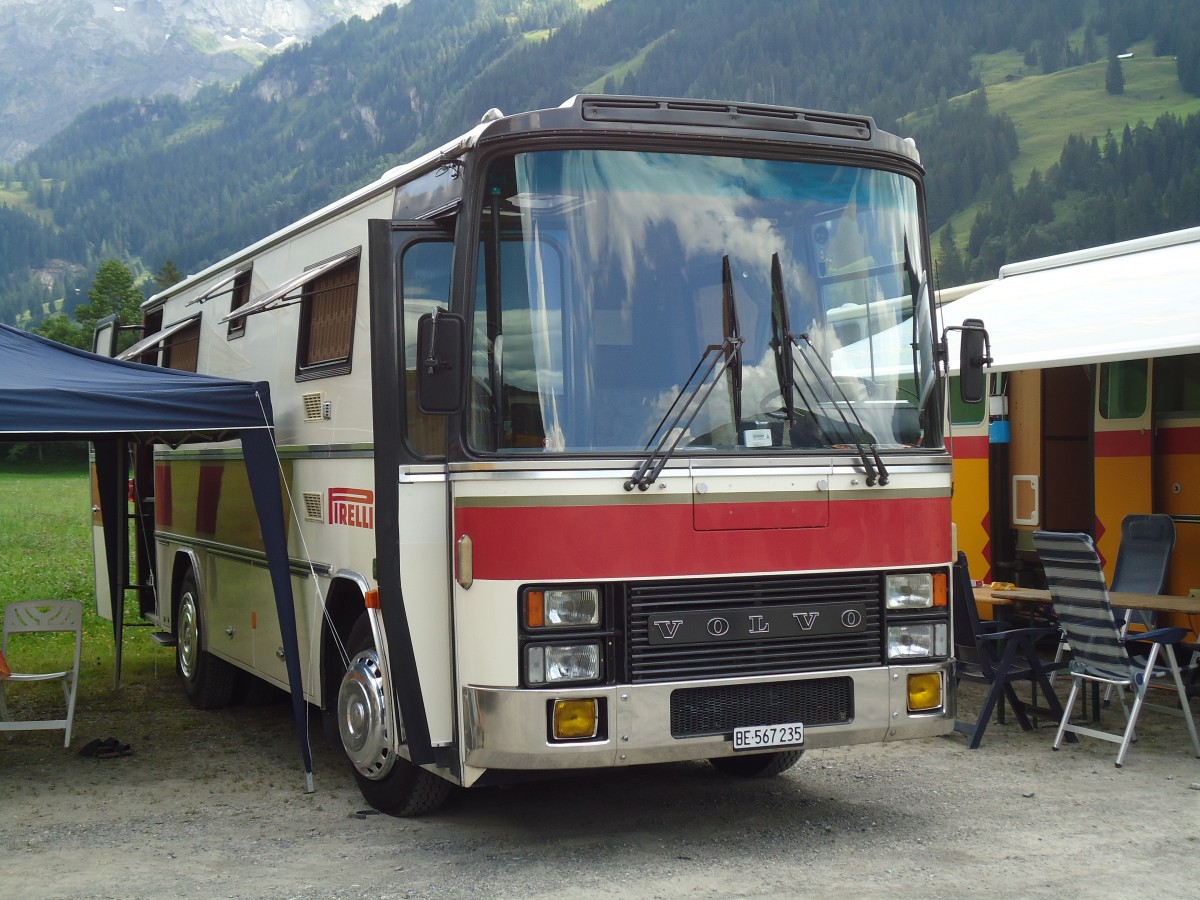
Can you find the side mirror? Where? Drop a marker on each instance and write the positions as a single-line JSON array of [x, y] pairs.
[[974, 354], [441, 362]]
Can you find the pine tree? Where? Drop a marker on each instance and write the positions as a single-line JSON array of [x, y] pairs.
[[168, 275], [1114, 77], [951, 270], [112, 292]]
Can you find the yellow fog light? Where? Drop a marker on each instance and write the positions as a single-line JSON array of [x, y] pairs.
[[924, 692], [575, 720]]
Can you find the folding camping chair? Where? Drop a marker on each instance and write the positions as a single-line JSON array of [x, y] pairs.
[[1098, 651], [26, 616], [1143, 558], [988, 655]]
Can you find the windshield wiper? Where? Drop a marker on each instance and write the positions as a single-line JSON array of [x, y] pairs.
[[781, 344], [724, 355], [875, 473], [786, 368], [732, 333]]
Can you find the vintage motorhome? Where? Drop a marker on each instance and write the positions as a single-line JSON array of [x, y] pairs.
[[612, 435]]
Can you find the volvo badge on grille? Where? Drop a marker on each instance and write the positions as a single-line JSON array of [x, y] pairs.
[[761, 623]]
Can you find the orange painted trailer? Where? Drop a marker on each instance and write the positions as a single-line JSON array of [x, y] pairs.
[[1093, 410]]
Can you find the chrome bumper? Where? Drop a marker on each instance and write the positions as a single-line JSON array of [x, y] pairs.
[[506, 728]]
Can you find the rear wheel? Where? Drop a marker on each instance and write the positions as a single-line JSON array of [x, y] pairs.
[[369, 726], [760, 765], [208, 680]]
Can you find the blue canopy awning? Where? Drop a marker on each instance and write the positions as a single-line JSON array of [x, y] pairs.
[[52, 392]]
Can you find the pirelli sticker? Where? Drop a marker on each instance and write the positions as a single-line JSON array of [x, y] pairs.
[[352, 507]]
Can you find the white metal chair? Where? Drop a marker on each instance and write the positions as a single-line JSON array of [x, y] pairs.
[[26, 616], [1098, 651]]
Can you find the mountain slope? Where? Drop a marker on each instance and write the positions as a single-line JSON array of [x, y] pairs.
[[58, 57], [189, 181]]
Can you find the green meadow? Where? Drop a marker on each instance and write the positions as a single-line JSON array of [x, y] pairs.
[[46, 553]]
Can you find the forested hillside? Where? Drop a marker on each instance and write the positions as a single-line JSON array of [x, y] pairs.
[[151, 181]]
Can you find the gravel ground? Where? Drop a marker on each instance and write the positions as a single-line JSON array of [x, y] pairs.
[[211, 804]]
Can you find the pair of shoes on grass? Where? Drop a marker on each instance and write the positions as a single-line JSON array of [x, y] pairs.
[[108, 748]]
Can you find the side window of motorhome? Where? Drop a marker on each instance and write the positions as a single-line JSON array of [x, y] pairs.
[[1123, 389], [424, 287], [327, 310], [239, 297], [1177, 386], [152, 321], [181, 349]]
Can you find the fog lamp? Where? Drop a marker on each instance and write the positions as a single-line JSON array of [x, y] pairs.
[[575, 720], [924, 691]]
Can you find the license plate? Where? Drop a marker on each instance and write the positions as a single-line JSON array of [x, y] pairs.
[[759, 737]]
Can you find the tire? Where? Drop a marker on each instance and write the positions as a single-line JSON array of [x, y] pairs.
[[390, 783], [760, 765], [208, 680]]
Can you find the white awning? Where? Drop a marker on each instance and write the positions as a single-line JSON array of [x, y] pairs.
[[1123, 301], [156, 339], [278, 295]]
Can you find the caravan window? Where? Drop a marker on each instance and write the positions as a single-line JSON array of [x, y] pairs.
[[181, 349], [327, 322], [239, 297], [1123, 389], [1177, 386]]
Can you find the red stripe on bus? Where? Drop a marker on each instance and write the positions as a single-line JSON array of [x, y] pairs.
[[972, 447], [540, 543], [1122, 443], [208, 498], [1180, 441]]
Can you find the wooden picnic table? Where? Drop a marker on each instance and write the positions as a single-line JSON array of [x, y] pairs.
[[1170, 603]]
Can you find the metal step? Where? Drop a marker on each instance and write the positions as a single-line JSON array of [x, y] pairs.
[[163, 638]]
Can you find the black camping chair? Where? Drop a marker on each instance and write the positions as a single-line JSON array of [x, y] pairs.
[[988, 655], [1143, 558]]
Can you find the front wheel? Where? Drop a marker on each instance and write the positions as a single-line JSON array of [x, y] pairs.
[[369, 726], [208, 680], [760, 765]]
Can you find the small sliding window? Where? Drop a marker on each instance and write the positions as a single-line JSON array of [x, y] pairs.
[[179, 341], [292, 290], [326, 340]]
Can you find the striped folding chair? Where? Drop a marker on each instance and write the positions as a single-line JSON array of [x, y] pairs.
[[1098, 651]]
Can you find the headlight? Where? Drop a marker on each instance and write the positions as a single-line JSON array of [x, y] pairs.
[[917, 640], [559, 663], [562, 608], [915, 590]]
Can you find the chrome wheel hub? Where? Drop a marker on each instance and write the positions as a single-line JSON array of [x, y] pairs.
[[364, 719], [189, 636]]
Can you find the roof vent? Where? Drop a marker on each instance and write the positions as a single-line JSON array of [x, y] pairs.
[[492, 115]]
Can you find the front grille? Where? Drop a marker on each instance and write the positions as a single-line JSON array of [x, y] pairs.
[[718, 710], [740, 657]]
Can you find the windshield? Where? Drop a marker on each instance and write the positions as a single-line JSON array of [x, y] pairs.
[[608, 278]]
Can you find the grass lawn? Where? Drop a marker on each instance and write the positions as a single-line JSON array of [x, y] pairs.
[[46, 553]]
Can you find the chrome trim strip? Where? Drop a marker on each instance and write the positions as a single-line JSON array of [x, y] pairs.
[[292, 451], [681, 462], [258, 558], [506, 727]]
